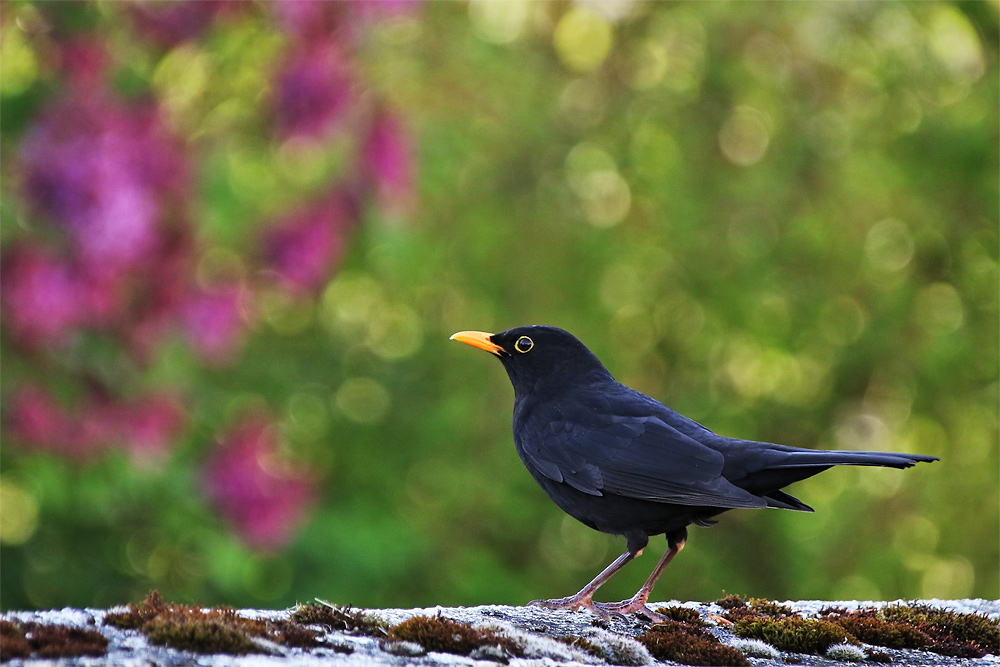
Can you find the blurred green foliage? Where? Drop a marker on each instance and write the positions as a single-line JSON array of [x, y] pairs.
[[780, 219]]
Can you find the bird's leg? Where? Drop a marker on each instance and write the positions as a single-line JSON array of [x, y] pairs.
[[584, 599], [638, 601]]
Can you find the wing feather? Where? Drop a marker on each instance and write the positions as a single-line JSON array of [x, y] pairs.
[[635, 456]]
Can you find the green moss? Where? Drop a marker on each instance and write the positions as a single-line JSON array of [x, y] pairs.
[[136, 616], [338, 618], [313, 613], [682, 614], [769, 608], [298, 636], [795, 634], [48, 640], [867, 626], [731, 601], [737, 608], [899, 626], [953, 634], [436, 633], [191, 628], [204, 636], [921, 627], [688, 644]]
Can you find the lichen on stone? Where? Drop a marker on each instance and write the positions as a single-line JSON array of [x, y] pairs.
[[845, 653]]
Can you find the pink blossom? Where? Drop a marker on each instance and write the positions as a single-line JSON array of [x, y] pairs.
[[309, 20], [102, 171], [42, 297], [263, 497], [389, 162], [303, 248], [39, 424], [313, 91], [312, 20], [377, 9], [34, 419], [147, 427], [157, 298], [170, 23], [214, 321], [84, 61]]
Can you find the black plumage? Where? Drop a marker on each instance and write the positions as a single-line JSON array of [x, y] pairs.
[[624, 463]]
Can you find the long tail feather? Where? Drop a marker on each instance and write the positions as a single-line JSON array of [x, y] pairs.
[[805, 458]]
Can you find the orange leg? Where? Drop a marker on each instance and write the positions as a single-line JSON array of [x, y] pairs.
[[584, 599], [638, 601]]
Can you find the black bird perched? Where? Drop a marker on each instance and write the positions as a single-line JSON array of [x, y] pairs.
[[625, 464]]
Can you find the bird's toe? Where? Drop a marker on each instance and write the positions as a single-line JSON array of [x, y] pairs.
[[572, 603], [633, 606]]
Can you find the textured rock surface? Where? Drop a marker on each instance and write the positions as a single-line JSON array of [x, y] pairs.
[[532, 628]]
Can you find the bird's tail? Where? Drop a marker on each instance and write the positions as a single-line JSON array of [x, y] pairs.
[[771, 467], [794, 457]]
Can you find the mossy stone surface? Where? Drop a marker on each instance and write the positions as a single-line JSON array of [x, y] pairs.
[[698, 633]]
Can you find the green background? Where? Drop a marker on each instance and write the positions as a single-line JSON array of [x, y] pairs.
[[780, 219]]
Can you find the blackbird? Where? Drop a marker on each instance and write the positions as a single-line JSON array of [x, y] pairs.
[[625, 464]]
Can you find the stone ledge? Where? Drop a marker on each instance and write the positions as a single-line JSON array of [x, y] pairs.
[[533, 630]]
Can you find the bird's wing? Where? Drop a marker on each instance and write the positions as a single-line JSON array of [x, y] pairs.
[[639, 457]]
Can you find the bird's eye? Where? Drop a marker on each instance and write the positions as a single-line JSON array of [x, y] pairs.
[[523, 344]]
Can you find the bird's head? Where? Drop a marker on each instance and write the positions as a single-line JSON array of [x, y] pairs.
[[539, 358]]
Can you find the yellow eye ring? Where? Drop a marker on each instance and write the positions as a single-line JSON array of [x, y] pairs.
[[523, 344]]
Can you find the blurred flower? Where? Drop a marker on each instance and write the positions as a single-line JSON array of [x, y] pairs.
[[313, 90], [148, 426], [156, 299], [170, 23], [389, 162], [40, 297], [37, 422], [45, 299], [263, 497], [309, 19], [101, 171], [83, 61], [312, 20], [385, 8], [34, 420], [303, 248], [214, 321], [144, 427]]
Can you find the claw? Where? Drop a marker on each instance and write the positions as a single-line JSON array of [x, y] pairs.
[[574, 602], [633, 606], [606, 610], [653, 616]]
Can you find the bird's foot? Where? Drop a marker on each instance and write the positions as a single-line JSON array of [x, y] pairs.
[[605, 610], [574, 602], [636, 605]]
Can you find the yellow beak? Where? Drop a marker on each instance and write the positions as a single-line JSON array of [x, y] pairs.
[[479, 339]]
